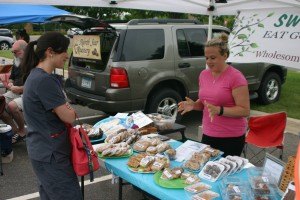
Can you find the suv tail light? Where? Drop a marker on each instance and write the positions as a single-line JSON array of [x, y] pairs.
[[118, 78]]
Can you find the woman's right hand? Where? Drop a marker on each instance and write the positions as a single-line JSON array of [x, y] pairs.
[[186, 106]]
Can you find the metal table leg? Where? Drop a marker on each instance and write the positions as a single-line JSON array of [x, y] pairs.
[[1, 169], [183, 138], [82, 186], [120, 188]]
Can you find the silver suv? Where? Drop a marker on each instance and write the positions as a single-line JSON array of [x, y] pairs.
[[151, 65]]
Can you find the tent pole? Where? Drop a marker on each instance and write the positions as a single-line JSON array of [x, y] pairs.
[[210, 19], [210, 9]]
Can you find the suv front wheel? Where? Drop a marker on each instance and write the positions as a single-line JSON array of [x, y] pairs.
[[270, 88], [165, 102]]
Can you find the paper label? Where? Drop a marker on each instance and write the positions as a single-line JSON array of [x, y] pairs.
[[113, 140], [140, 145], [236, 189], [157, 164], [121, 115], [197, 198], [144, 162], [209, 150], [159, 155], [190, 180], [186, 150], [265, 179], [140, 119], [207, 176], [167, 174]]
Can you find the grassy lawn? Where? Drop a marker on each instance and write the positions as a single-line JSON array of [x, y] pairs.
[[289, 100], [8, 54]]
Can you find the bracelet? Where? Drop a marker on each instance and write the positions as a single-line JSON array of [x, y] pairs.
[[221, 111]]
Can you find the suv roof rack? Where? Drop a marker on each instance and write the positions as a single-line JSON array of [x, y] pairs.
[[162, 21]]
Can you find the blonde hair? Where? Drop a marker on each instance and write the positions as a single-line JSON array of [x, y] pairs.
[[221, 42]]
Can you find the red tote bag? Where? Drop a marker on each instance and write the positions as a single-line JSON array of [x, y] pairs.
[[84, 158]]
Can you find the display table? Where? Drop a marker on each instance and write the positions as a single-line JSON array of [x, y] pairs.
[[146, 182]]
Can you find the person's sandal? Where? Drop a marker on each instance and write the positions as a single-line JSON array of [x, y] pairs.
[[17, 138]]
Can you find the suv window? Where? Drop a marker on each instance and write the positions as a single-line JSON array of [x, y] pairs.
[[137, 39], [191, 42]]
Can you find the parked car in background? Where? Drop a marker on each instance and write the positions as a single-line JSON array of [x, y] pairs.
[[6, 32], [74, 31], [151, 65], [6, 42]]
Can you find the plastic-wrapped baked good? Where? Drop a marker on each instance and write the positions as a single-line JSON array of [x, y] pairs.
[[167, 174], [133, 162], [260, 185], [192, 179], [157, 166], [226, 168], [155, 141], [141, 145], [207, 195], [211, 171], [151, 150], [192, 165], [213, 152], [235, 197], [197, 187], [233, 165], [171, 153], [185, 175], [103, 146], [162, 147], [177, 171], [147, 161]]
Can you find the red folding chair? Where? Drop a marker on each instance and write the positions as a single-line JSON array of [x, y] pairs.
[[265, 134]]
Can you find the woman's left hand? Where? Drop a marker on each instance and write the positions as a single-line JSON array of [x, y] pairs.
[[212, 110]]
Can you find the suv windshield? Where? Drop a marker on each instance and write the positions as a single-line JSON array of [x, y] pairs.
[[136, 41]]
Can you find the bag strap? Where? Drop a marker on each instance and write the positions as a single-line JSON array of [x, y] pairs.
[[89, 151]]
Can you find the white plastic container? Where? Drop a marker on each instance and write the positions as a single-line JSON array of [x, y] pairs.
[[162, 122]]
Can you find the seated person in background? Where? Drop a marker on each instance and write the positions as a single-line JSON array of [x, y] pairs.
[[21, 34], [13, 96]]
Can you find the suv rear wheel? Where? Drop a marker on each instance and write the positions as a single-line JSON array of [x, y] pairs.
[[165, 102], [270, 89]]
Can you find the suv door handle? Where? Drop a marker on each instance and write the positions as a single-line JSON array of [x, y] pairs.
[[184, 65]]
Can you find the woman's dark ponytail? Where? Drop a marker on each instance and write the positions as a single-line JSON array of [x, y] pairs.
[[29, 61], [32, 56]]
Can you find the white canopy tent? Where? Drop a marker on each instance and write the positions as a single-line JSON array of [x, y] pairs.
[[181, 6], [203, 7]]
